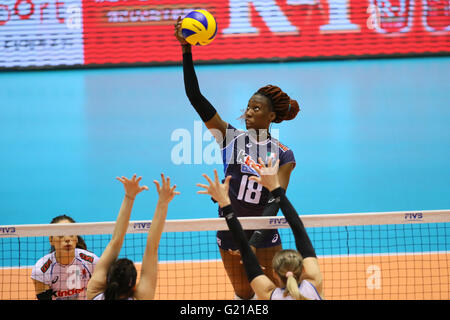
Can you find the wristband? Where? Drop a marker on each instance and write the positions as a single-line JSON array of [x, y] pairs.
[[46, 295], [228, 212], [278, 193]]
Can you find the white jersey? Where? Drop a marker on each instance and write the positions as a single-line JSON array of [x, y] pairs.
[[101, 296], [68, 281], [305, 288]]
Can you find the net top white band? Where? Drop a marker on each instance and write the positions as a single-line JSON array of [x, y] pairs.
[[214, 224]]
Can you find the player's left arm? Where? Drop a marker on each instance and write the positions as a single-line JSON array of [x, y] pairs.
[[284, 174], [260, 283], [269, 179], [146, 288]]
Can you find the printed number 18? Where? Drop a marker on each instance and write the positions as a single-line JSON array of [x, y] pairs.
[[249, 191]]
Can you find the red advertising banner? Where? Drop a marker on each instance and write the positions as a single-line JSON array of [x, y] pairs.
[[130, 31], [88, 32]]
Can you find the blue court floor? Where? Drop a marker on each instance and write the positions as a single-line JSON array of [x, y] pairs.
[[373, 135]]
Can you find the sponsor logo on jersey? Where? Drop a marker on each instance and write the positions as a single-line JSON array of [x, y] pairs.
[[46, 265], [86, 257], [68, 293], [246, 163]]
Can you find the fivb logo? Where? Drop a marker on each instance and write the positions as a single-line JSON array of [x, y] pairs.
[[277, 221], [4, 231], [141, 226], [414, 216]]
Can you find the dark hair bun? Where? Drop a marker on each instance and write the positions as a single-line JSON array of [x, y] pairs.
[[293, 110], [284, 107]]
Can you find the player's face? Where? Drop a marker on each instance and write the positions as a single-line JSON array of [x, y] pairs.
[[258, 114], [64, 243]]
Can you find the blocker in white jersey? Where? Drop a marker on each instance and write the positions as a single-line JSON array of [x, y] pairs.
[[68, 282], [305, 288]]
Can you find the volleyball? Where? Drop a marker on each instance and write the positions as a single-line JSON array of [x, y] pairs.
[[199, 27]]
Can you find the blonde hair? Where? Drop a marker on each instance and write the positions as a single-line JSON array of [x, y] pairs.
[[288, 265]]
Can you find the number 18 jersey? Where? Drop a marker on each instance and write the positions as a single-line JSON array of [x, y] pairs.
[[240, 151]]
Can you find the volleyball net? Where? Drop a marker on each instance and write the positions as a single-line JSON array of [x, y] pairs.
[[385, 255]]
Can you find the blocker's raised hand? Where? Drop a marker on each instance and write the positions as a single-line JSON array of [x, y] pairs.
[[165, 191], [132, 188], [268, 176], [216, 189]]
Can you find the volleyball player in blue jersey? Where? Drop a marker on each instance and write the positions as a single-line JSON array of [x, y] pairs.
[[241, 149], [297, 274]]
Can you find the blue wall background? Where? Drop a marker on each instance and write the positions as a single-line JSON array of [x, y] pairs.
[[373, 135]]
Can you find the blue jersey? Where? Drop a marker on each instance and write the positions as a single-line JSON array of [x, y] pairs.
[[240, 150]]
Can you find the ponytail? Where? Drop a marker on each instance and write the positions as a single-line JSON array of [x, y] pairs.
[[292, 287], [112, 291], [288, 265]]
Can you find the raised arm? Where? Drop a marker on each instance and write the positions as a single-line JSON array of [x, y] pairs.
[[268, 178], [272, 207], [145, 290], [259, 282], [204, 108], [97, 283]]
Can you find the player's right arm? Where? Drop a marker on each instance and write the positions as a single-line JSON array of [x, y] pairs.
[[43, 291], [97, 284], [40, 287], [204, 108]]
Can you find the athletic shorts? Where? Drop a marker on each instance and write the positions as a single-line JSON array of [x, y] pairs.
[[225, 239]]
